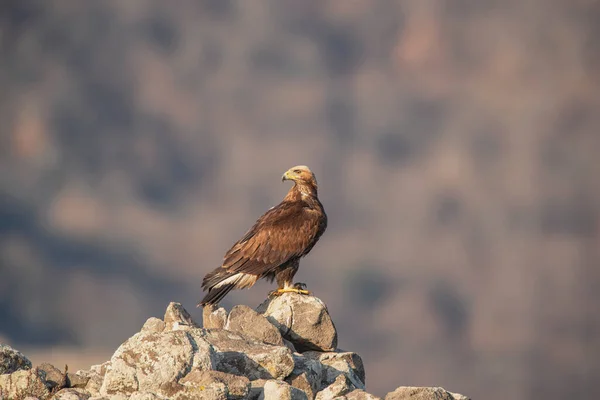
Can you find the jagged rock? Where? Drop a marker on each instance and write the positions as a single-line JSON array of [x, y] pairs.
[[214, 317], [77, 381], [306, 376], [152, 361], [177, 317], [146, 396], [153, 325], [279, 390], [359, 394], [237, 386], [240, 355], [12, 360], [71, 394], [336, 363], [339, 387], [257, 388], [303, 320], [94, 383], [290, 345], [54, 377], [423, 393], [214, 391], [244, 320], [23, 383]]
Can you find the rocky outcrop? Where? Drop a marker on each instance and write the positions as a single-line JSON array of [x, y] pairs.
[[286, 349]]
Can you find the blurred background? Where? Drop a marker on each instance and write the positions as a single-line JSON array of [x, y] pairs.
[[455, 143]]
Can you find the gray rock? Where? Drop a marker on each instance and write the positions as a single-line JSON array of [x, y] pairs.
[[153, 361], [146, 396], [341, 386], [23, 383], [306, 376], [77, 380], [153, 325], [12, 360], [71, 394], [303, 320], [336, 363], [243, 319], [239, 355], [237, 386], [214, 317], [54, 377], [359, 394], [257, 388], [279, 390], [422, 393], [177, 318]]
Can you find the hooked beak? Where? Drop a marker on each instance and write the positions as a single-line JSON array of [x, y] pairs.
[[286, 176]]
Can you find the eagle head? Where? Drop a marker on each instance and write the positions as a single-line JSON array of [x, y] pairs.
[[300, 174]]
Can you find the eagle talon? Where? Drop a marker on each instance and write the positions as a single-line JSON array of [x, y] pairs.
[[280, 291]]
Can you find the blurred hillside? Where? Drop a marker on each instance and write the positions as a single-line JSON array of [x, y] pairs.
[[455, 143]]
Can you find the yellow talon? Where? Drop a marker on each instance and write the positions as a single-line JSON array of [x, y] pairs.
[[279, 292]]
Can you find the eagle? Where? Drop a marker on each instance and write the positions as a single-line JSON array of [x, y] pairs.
[[272, 248]]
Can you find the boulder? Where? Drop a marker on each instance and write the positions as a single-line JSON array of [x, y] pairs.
[[214, 317], [237, 386], [71, 394], [336, 363], [306, 376], [12, 360], [423, 393], [22, 383], [55, 379], [239, 355], [244, 320], [279, 390], [77, 380], [177, 317], [153, 325], [359, 394], [303, 320], [146, 396], [257, 388], [341, 386]]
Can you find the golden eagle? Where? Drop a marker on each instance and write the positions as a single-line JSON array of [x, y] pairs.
[[272, 248]]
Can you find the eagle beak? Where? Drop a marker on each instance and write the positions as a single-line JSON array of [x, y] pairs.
[[285, 177]]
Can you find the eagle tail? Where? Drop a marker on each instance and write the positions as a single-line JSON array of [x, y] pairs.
[[220, 282]]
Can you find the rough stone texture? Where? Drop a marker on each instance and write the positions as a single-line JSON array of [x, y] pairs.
[[306, 376], [359, 394], [12, 360], [303, 320], [76, 380], [237, 386], [71, 394], [423, 393], [279, 390], [177, 317], [55, 379], [214, 391], [94, 383], [23, 383], [153, 325], [244, 320], [339, 387], [241, 356], [214, 317], [256, 389], [146, 396], [151, 361], [336, 363]]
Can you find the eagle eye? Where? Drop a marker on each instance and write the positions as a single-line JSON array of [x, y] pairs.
[[297, 171]]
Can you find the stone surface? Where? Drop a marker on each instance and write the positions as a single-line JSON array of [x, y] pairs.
[[146, 396], [423, 393], [54, 377], [214, 317], [177, 317], [244, 320], [23, 383], [341, 386], [256, 389], [336, 363], [303, 320], [151, 362], [153, 325], [359, 394], [279, 390], [239, 356], [307, 375], [71, 394], [77, 380], [12, 360], [237, 386]]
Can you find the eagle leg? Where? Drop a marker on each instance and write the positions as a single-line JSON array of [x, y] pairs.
[[280, 291]]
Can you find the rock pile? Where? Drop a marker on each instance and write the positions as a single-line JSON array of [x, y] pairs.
[[286, 349]]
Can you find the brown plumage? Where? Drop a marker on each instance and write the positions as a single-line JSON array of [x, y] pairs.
[[273, 247]]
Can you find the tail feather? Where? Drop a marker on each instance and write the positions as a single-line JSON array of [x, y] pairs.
[[217, 289], [216, 294]]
